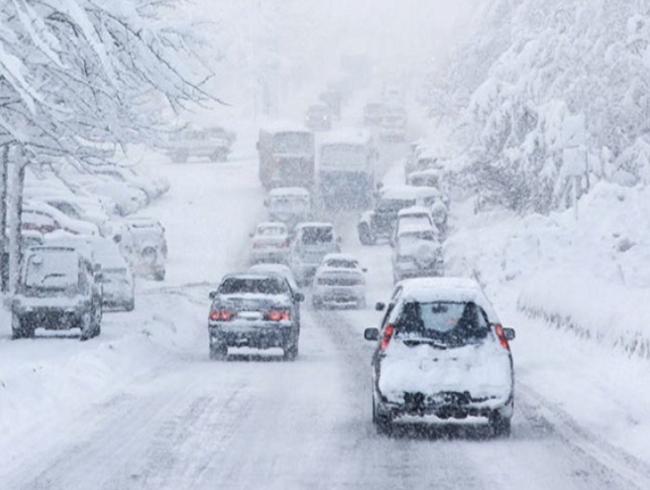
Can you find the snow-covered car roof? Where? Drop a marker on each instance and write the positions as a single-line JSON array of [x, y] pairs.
[[454, 289], [348, 136], [340, 256], [289, 191], [314, 224], [413, 211], [284, 127], [416, 228], [401, 192]]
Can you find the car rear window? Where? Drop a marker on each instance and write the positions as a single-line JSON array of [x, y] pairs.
[[342, 263], [239, 285], [52, 271], [453, 323], [317, 234]]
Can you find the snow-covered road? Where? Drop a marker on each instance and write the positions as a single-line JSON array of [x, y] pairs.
[[165, 417]]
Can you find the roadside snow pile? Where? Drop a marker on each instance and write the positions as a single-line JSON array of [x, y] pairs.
[[589, 275]]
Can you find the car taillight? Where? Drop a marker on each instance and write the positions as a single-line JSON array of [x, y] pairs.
[[278, 316], [498, 329], [221, 315], [388, 335]]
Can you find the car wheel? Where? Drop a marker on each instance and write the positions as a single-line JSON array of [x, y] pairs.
[[87, 326], [19, 328], [130, 306], [501, 426], [159, 275], [383, 423], [290, 352], [218, 352]]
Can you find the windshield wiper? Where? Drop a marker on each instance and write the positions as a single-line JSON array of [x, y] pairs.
[[430, 342]]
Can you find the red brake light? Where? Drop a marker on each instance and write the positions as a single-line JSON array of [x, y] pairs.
[[498, 329], [221, 315], [278, 316], [388, 335]]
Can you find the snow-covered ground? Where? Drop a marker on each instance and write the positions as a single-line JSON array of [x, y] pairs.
[[142, 407]]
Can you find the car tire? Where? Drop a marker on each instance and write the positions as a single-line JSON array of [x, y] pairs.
[[18, 328], [382, 423], [366, 236], [501, 426], [130, 306], [218, 352], [159, 275], [290, 352], [87, 326]]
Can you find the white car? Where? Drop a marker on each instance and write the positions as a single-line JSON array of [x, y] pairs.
[[339, 281], [270, 243], [417, 253], [413, 216], [311, 243], [41, 217], [142, 241], [443, 356], [116, 275]]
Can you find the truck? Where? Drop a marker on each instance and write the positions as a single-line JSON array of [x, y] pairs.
[[286, 156], [346, 170]]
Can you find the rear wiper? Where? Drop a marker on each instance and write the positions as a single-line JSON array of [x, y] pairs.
[[430, 342]]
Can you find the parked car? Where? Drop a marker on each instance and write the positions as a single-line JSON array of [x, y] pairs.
[[43, 218], [339, 281], [81, 209], [380, 222], [318, 118], [443, 353], [153, 188], [127, 198], [417, 253], [311, 243], [270, 243], [117, 278], [289, 205], [142, 241], [254, 310], [57, 290], [213, 143]]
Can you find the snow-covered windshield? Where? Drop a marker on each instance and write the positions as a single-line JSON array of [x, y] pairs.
[[52, 271], [344, 156], [242, 285], [417, 236], [455, 321], [293, 142]]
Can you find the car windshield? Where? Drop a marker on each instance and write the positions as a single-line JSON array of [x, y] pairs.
[[244, 285], [343, 156], [342, 263], [317, 235], [52, 271], [449, 321], [293, 142]]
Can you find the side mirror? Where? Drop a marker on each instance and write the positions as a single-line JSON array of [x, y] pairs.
[[509, 334], [212, 295], [380, 306], [117, 238], [299, 297], [371, 334]]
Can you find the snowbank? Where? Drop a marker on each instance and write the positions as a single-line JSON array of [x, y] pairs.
[[587, 274]]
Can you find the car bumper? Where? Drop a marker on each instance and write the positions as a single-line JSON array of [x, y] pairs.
[[52, 319], [337, 295], [258, 336]]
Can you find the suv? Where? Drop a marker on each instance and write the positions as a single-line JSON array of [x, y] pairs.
[[58, 290], [311, 243], [442, 353], [254, 310]]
